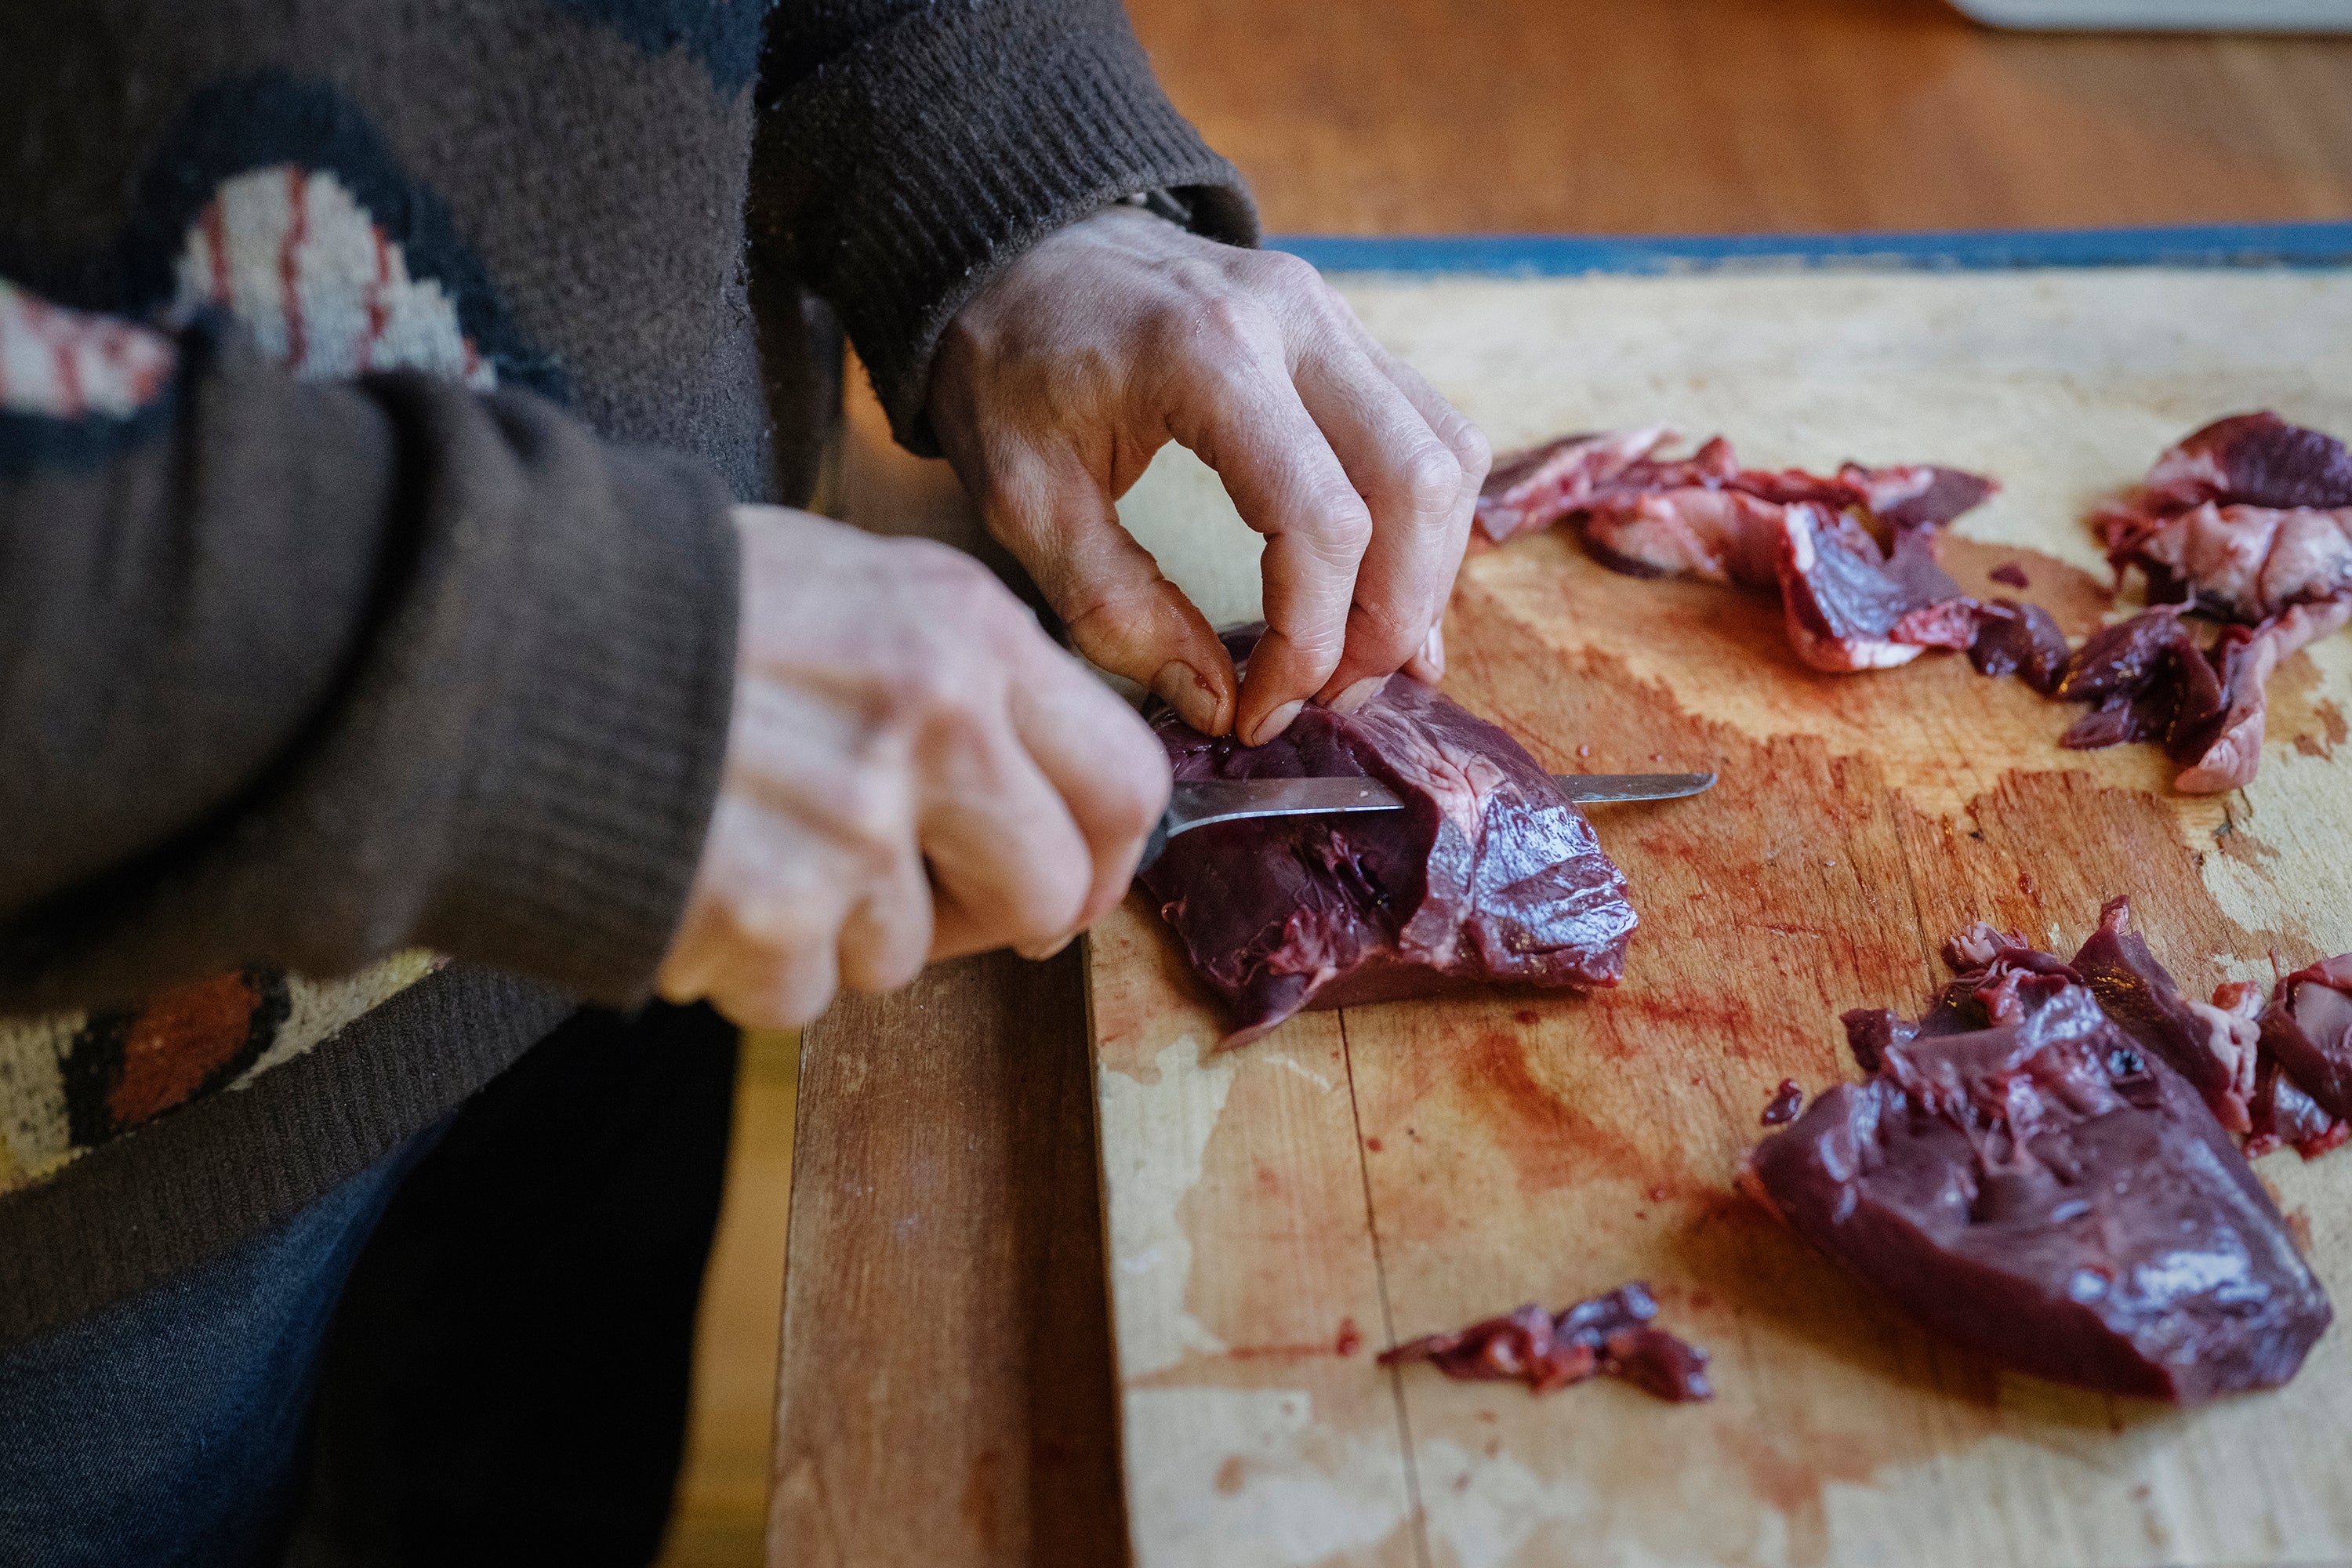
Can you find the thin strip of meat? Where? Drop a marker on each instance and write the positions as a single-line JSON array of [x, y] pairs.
[[1489, 875], [1533, 489], [2210, 1045], [1608, 1334]]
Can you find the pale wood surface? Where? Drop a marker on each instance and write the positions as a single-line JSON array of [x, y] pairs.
[[1410, 1167], [1410, 116]]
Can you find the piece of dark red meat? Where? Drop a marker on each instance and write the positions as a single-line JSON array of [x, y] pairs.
[[1489, 875], [2211, 1046], [1610, 1334], [2019, 640], [1787, 1101], [2046, 1193], [2245, 518], [2307, 1030], [2207, 706], [1848, 607], [2258, 458], [1920, 494], [1850, 602]]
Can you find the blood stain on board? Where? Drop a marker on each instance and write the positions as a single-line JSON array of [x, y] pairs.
[[2316, 724]]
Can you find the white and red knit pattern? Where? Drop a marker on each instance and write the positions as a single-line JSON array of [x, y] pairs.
[[68, 364], [304, 267]]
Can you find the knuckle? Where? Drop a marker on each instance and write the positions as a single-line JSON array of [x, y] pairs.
[[1471, 447], [1431, 481]]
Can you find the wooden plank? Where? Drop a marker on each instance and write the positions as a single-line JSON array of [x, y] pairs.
[[945, 1388], [1545, 1147], [1724, 116]]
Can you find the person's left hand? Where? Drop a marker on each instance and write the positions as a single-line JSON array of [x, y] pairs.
[[1061, 378]]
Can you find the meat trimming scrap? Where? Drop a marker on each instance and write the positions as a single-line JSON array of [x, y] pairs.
[[1849, 601], [2036, 1170], [1611, 1335], [2249, 520], [1489, 874]]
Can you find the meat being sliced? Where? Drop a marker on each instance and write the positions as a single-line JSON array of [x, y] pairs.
[[2044, 1192], [1490, 874], [1610, 1334]]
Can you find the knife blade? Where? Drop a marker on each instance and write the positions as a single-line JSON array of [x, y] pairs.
[[1196, 803]]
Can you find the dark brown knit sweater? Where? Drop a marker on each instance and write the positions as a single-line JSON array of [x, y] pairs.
[[374, 377]]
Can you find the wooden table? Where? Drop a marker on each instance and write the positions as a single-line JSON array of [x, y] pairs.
[[946, 1394]]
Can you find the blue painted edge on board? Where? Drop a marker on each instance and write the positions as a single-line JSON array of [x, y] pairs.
[[2298, 245]]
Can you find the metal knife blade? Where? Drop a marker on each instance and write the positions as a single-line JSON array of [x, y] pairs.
[[1197, 803]]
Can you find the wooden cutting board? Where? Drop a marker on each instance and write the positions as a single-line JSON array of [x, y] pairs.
[[1280, 1212]]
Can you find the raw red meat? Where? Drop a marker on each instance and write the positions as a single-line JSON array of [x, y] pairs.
[[1490, 874], [2307, 1031], [2019, 640], [2212, 1047], [1786, 1103], [1850, 602], [1610, 1334], [2205, 706], [2245, 518], [2040, 1190]]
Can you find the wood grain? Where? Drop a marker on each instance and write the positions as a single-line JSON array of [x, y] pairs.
[[1418, 116], [944, 1395], [1389, 116], [1547, 1147]]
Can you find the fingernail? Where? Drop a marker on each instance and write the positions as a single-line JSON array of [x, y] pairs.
[[1356, 696], [1433, 650], [1275, 722], [1038, 952], [1181, 686]]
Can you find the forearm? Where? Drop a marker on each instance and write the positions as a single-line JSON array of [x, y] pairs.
[[908, 151], [302, 674]]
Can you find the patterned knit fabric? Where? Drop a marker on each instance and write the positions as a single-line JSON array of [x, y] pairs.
[[375, 376]]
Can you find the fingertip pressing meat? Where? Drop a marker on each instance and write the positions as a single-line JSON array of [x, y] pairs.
[[2044, 1192], [1489, 875], [1608, 1334]]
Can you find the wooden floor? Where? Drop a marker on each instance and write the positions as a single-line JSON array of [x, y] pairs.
[[722, 1499], [1608, 116]]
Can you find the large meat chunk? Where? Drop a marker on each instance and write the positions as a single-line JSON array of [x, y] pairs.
[[1489, 874], [2041, 1190]]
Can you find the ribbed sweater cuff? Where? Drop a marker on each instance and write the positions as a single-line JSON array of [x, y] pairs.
[[573, 843], [955, 139]]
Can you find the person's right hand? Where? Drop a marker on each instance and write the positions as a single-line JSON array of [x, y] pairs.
[[914, 771]]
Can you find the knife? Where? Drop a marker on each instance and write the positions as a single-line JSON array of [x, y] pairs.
[[1197, 803]]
